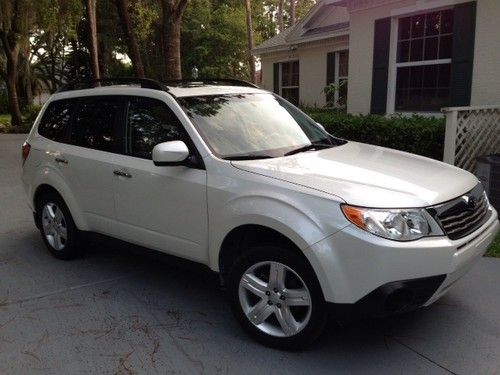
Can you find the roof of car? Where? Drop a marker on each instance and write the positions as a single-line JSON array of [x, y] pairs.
[[177, 91]]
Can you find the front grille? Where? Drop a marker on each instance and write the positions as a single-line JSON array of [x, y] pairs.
[[463, 215]]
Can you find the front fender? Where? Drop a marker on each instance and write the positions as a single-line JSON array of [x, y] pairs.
[[295, 221]]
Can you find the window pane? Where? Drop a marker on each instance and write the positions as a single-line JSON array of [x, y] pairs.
[[431, 75], [416, 50], [445, 46], [431, 49], [417, 26], [403, 51], [55, 121], [285, 74], [416, 75], [150, 122], [432, 23], [446, 21], [295, 74], [292, 95], [342, 92], [343, 64], [401, 99], [404, 28], [93, 123], [403, 77], [428, 90], [444, 75]]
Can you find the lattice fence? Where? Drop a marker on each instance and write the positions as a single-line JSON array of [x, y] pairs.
[[471, 132]]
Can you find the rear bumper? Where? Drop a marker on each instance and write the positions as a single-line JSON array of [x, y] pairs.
[[354, 266]]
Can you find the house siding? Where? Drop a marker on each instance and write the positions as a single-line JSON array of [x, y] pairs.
[[361, 36], [313, 58], [486, 70]]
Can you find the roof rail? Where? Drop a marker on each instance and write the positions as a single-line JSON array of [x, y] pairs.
[[209, 81], [145, 83]]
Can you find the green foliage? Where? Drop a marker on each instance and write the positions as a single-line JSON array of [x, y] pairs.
[[417, 134], [494, 250], [214, 39], [30, 112]]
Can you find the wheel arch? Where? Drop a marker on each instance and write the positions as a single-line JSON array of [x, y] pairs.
[[47, 179], [243, 237]]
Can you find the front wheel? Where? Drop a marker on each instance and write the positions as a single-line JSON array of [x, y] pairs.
[[276, 297]]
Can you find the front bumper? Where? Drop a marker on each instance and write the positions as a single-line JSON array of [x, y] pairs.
[[352, 263]]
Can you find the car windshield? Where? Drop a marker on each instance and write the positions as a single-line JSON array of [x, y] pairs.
[[253, 126]]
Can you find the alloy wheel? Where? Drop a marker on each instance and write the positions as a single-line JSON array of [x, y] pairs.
[[275, 299], [54, 226]]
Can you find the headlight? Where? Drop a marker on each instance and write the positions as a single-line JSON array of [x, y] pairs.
[[394, 224]]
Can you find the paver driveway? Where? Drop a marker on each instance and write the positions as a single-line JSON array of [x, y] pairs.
[[118, 310]]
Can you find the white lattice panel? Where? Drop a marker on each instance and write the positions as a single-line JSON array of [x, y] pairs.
[[471, 132]]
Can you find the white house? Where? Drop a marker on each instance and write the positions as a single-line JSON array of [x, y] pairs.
[[396, 55]]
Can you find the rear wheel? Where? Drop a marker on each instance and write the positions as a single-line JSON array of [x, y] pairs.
[[57, 227], [276, 297]]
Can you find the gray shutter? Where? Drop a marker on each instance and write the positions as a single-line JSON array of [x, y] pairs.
[[381, 46], [330, 68], [276, 78], [462, 60]]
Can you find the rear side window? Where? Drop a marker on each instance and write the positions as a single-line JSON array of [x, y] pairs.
[[55, 121], [94, 123], [150, 122]]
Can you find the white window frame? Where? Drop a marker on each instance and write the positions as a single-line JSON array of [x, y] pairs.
[[394, 65], [337, 70]]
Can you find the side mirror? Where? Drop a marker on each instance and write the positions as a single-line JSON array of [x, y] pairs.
[[171, 153]]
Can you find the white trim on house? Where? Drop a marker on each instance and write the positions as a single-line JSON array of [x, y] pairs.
[[422, 6]]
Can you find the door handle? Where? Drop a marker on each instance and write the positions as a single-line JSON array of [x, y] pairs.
[[61, 160], [122, 174]]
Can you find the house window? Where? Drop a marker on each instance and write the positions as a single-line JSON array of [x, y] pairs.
[[423, 65], [337, 73], [290, 81]]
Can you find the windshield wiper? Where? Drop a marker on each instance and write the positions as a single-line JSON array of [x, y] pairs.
[[248, 157], [313, 146]]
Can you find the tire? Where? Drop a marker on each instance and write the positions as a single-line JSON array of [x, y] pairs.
[[252, 290], [58, 230]]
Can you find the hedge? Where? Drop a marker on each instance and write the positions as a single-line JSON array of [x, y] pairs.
[[416, 134]]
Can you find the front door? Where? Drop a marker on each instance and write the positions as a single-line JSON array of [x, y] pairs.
[[164, 208]]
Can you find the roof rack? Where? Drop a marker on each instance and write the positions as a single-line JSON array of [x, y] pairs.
[[145, 83], [209, 81]]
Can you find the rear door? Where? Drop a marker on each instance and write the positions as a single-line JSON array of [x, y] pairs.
[[88, 160], [164, 208]]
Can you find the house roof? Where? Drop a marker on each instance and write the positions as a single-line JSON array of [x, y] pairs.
[[320, 23]]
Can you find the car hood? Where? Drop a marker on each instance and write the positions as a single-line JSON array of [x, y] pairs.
[[369, 176]]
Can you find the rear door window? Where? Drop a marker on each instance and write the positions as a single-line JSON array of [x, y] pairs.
[[94, 123], [55, 121]]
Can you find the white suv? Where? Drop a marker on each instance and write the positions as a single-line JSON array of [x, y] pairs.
[[296, 221]]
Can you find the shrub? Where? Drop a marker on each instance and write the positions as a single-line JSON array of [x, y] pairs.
[[416, 134], [30, 112]]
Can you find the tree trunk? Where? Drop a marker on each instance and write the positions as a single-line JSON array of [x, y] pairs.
[[90, 7], [281, 25], [172, 11], [251, 59], [293, 15], [14, 108], [133, 47], [11, 50]]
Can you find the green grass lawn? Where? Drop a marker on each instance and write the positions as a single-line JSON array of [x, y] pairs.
[[4, 119], [494, 250]]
